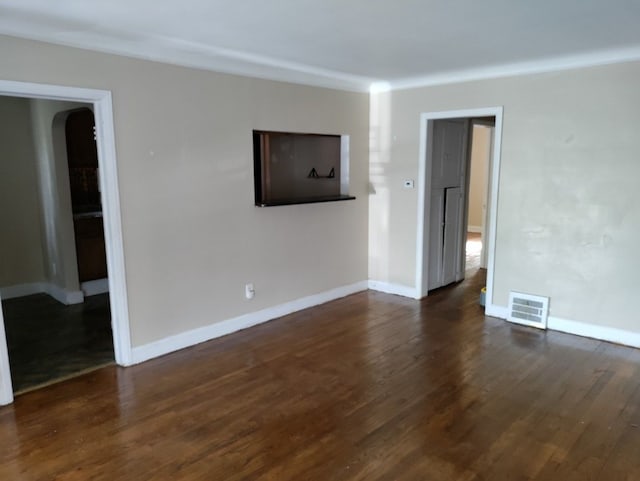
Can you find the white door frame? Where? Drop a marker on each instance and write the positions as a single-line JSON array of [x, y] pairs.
[[424, 193], [105, 138]]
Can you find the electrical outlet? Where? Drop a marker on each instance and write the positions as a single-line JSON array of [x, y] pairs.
[[249, 291]]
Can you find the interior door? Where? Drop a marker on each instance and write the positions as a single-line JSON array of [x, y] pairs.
[[436, 236], [446, 210], [453, 233]]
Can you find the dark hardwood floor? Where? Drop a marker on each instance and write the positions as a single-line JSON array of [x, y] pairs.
[[369, 387]]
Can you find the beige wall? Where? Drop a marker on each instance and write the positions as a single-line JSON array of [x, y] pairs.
[[477, 176], [192, 236], [21, 255], [568, 218]]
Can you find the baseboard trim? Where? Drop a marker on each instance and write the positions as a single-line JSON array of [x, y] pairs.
[[92, 288], [476, 229], [58, 293], [578, 328], [21, 290], [501, 312], [64, 296], [397, 289], [602, 333], [219, 329]]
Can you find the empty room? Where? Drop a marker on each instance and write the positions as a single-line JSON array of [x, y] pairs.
[[279, 257]]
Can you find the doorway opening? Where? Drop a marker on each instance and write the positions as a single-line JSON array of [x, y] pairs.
[[76, 317], [54, 330], [446, 146], [481, 134]]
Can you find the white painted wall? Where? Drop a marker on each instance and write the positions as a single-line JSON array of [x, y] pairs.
[[568, 219], [192, 236], [21, 251], [48, 124]]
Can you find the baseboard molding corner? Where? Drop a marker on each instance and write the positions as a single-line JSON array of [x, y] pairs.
[[476, 229], [492, 310], [206, 333], [397, 289], [63, 295]]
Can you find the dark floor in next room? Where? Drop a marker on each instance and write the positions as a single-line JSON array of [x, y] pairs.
[[48, 341]]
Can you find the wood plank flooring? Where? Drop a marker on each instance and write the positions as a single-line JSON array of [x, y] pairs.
[[369, 387]]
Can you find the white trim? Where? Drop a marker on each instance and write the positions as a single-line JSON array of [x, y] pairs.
[[501, 312], [558, 64], [212, 331], [107, 162], [58, 293], [105, 135], [397, 289], [62, 295], [218, 59], [197, 55], [424, 193], [98, 286], [476, 229], [578, 328], [602, 333], [21, 290]]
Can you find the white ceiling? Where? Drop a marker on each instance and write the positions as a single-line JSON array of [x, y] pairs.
[[343, 43]]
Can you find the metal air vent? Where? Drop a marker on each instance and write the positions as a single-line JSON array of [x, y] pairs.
[[528, 309]]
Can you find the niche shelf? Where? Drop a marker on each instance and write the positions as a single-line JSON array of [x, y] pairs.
[[296, 168]]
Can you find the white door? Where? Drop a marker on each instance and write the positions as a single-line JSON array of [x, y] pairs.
[[452, 269], [446, 210], [436, 236]]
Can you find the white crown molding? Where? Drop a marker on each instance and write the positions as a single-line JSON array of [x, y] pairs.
[[189, 54], [557, 64], [198, 55], [222, 328]]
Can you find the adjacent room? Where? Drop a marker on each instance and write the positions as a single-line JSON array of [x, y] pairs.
[[307, 241]]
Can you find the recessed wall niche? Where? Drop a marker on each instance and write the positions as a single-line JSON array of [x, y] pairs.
[[297, 168]]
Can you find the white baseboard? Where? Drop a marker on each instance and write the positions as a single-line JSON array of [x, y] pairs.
[[64, 296], [58, 293], [501, 312], [474, 228], [21, 290], [593, 331], [206, 333], [92, 288], [397, 289], [602, 333]]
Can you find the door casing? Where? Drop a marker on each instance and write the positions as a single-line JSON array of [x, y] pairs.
[[105, 138], [424, 193]]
